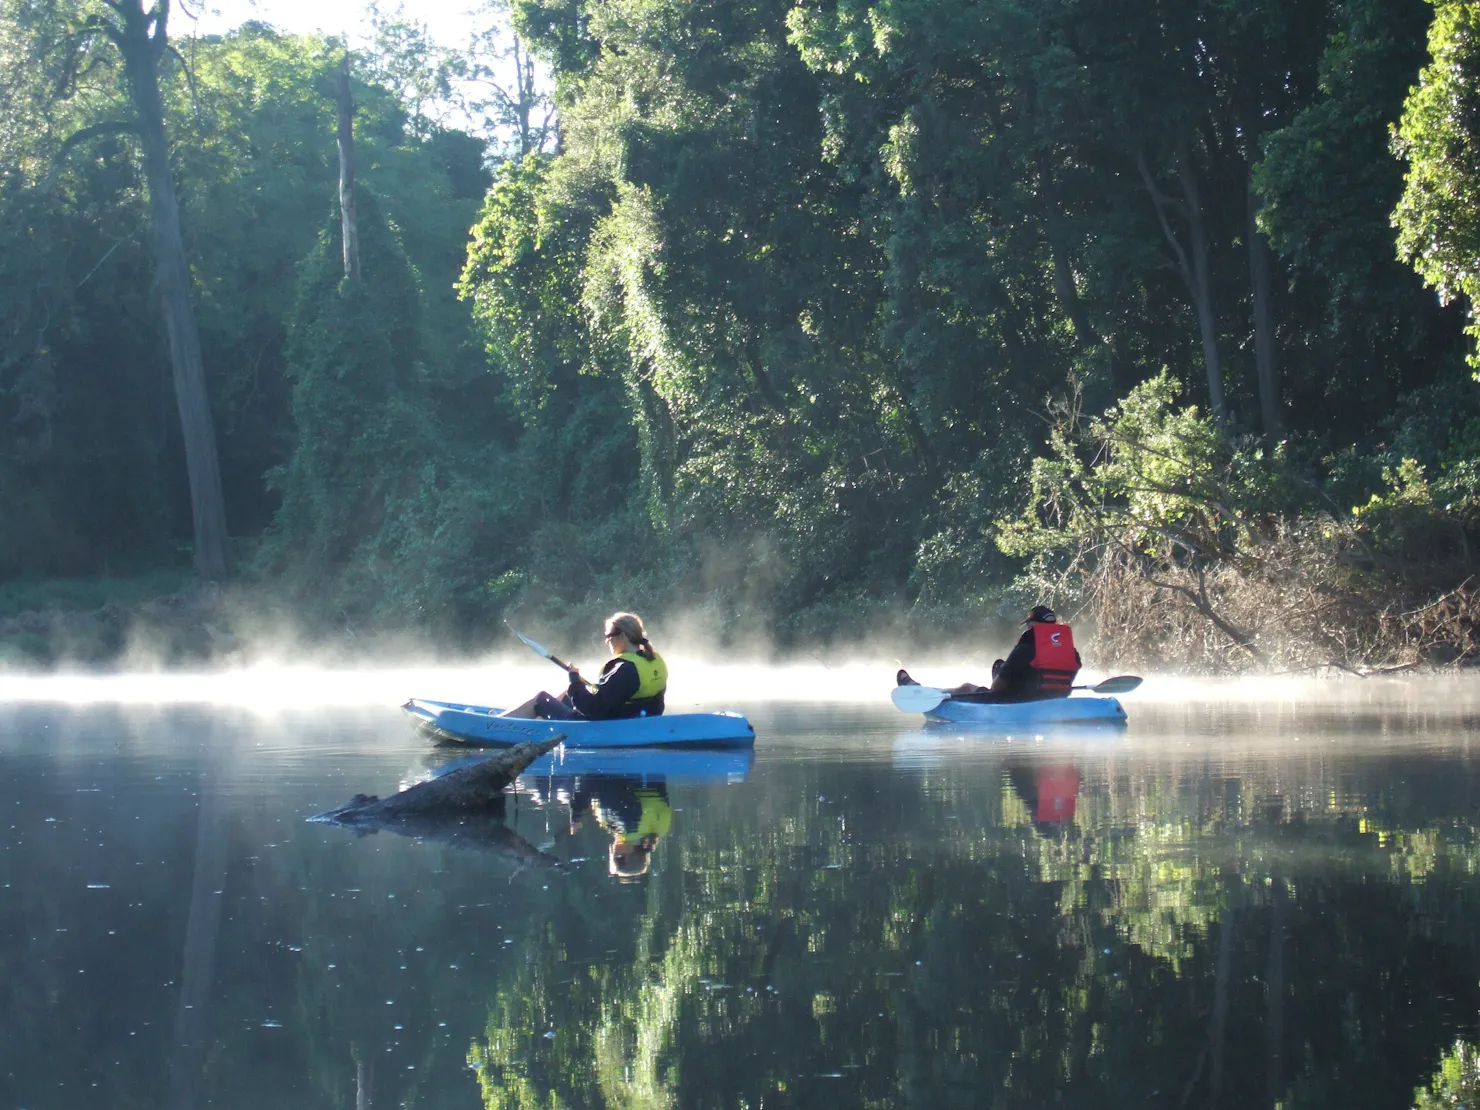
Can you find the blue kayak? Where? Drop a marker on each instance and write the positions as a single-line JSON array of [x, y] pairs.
[[1073, 710], [480, 724]]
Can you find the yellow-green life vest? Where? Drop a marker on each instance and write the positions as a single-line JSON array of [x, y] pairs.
[[656, 817], [652, 674]]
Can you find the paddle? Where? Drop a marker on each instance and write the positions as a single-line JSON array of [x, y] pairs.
[[540, 649], [922, 699]]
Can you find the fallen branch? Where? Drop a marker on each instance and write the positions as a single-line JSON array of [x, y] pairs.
[[472, 789]]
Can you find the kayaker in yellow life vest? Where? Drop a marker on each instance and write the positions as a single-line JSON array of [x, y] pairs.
[[632, 682]]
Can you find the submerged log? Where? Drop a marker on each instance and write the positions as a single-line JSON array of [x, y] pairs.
[[475, 832], [474, 790]]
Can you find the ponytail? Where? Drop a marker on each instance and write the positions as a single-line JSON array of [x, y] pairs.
[[630, 626]]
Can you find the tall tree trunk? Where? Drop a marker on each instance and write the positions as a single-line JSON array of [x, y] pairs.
[[1264, 353], [1201, 286], [524, 91], [349, 224], [1192, 265], [1063, 275], [1068, 295], [141, 40]]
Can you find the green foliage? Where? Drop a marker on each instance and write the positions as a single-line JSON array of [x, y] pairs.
[[768, 333], [1149, 476], [1179, 541], [1425, 522], [366, 457], [522, 280], [1328, 187], [86, 594], [1438, 217], [559, 31]]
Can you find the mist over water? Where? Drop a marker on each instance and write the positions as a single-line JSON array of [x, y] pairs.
[[697, 682], [868, 910]]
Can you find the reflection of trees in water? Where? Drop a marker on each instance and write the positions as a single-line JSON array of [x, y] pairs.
[[1456, 1083], [1155, 854], [1177, 942], [596, 1035], [925, 940], [198, 964]]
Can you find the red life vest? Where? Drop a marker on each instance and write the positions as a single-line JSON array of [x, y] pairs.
[[1058, 788], [1054, 661]]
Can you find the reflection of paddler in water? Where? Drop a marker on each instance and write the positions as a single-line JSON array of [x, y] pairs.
[[1050, 791], [635, 812]]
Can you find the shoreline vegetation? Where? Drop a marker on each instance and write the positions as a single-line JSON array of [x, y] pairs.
[[796, 326], [1128, 623]]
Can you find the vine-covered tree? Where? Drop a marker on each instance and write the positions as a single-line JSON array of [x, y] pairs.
[[1438, 218]]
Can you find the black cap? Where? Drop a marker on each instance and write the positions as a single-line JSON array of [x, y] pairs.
[[1041, 614]]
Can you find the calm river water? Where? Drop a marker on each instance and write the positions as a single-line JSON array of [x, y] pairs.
[[1235, 902]]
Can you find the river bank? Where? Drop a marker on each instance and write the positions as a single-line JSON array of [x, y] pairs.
[[159, 623]]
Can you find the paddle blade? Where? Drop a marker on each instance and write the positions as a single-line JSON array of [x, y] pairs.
[[917, 699], [1120, 684], [538, 649]]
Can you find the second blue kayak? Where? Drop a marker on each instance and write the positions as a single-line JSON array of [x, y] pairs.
[[1074, 710], [480, 724]]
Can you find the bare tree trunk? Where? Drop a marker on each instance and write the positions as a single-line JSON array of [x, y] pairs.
[[1264, 353], [1063, 287], [1201, 285], [524, 90], [1063, 275], [141, 40], [1192, 267], [349, 225]]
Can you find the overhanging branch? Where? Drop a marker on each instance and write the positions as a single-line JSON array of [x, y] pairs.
[[117, 127]]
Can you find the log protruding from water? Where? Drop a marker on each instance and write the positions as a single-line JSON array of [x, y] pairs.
[[471, 789]]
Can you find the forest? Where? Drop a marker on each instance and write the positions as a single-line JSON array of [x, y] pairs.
[[785, 324]]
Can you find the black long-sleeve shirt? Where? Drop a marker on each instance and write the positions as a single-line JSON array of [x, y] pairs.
[[613, 694]]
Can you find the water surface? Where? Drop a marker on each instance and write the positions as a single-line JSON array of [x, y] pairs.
[[1235, 902]]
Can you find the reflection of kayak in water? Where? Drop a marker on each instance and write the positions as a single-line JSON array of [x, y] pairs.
[[1073, 710], [936, 745], [477, 724], [674, 765], [684, 766]]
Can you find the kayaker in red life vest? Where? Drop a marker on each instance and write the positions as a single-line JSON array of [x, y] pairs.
[[632, 683], [1041, 665]]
